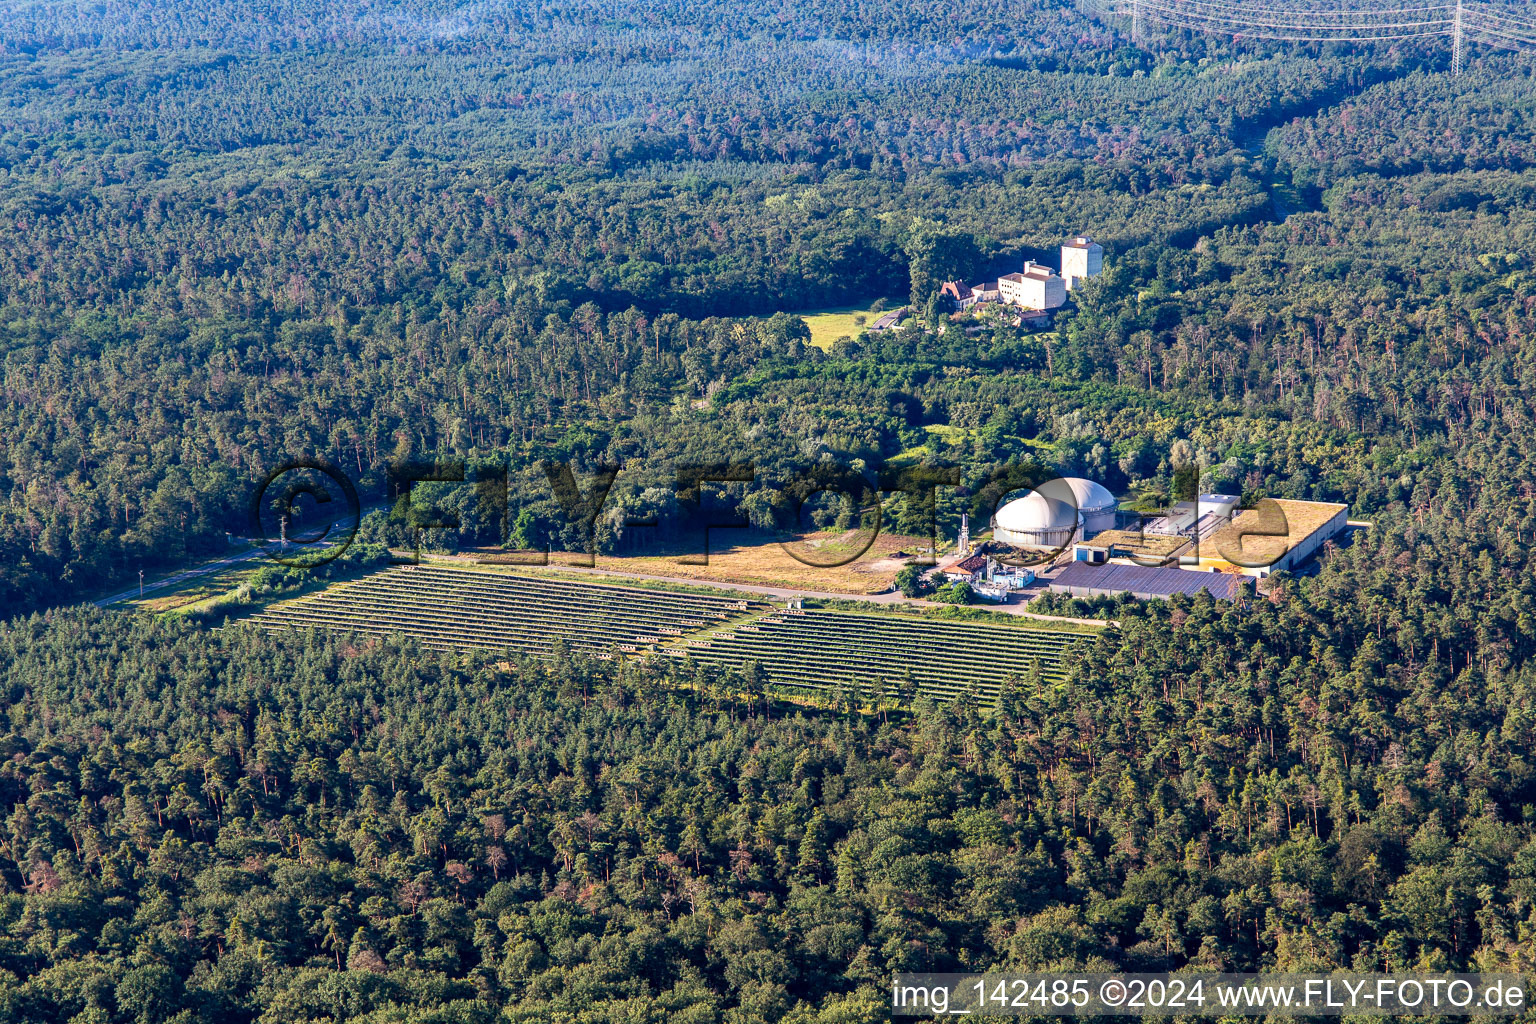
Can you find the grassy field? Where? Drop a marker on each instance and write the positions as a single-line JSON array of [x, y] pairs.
[[943, 432], [757, 559], [827, 325], [953, 435], [193, 591]]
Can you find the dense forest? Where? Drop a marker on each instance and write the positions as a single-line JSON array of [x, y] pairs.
[[1419, 122], [399, 231], [220, 828]]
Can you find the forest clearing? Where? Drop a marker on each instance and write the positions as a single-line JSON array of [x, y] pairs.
[[752, 557], [830, 324]]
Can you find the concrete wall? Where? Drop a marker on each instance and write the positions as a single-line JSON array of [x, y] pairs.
[[1079, 263], [1097, 522], [1299, 554], [1044, 540]]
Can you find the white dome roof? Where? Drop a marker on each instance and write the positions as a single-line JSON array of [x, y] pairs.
[[1087, 495], [1036, 512]]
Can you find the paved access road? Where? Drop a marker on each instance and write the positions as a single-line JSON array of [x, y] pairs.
[[207, 568]]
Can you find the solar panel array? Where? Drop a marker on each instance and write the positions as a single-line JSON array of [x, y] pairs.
[[820, 650], [448, 608]]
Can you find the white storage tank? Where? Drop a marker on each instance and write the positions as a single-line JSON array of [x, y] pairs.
[[1057, 513], [1098, 508], [1040, 520]]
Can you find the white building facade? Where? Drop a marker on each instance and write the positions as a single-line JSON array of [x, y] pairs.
[[1035, 287], [1081, 258]]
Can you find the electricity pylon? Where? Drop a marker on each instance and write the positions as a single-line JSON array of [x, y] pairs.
[[1456, 54]]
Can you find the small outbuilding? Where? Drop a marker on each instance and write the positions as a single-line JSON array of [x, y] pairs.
[[967, 570]]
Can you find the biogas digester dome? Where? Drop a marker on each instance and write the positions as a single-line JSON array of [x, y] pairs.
[[1095, 504], [1054, 515]]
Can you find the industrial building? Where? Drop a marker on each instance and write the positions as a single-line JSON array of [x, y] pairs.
[[1211, 533], [1215, 535], [1035, 287], [967, 570], [1128, 547], [1280, 533], [1097, 507], [1198, 518], [1055, 514], [1082, 580], [989, 579], [1036, 521], [1081, 258]]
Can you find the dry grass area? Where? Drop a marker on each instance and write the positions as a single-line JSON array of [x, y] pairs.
[[758, 559]]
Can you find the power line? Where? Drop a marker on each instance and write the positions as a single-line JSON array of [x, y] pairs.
[[1462, 21], [1304, 25], [1235, 26], [1303, 13], [1176, 8], [1501, 46], [1316, 19], [1502, 35], [1501, 17], [1308, 12], [1335, 39]]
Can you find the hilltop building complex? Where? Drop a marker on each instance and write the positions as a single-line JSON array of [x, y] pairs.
[[1035, 287]]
